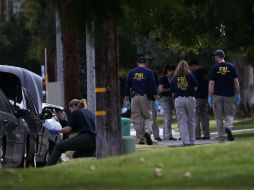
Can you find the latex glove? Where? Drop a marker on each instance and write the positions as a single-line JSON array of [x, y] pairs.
[[210, 101], [54, 131], [157, 104], [127, 104], [237, 100]]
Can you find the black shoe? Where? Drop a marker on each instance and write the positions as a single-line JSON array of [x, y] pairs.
[[206, 138], [230, 135], [148, 139], [158, 139], [172, 139], [141, 142]]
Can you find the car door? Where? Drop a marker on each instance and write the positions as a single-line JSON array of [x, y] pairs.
[[34, 115], [14, 133], [34, 123]]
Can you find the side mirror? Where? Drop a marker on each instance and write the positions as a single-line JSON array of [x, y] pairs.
[[46, 115], [22, 113]]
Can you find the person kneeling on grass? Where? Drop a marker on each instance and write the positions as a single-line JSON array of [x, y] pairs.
[[81, 121]]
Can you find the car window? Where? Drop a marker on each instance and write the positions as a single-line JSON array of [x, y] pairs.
[[5, 106]]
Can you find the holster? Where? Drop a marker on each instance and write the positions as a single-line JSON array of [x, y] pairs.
[[150, 97]]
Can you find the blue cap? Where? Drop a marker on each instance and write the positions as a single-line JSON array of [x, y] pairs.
[[219, 53], [141, 59]]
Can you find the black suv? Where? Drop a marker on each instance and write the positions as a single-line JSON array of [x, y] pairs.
[[13, 130], [23, 91]]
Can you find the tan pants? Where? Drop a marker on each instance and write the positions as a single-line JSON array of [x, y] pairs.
[[155, 127], [141, 110], [224, 110], [185, 113]]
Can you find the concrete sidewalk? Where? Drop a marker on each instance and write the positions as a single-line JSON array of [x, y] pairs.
[[179, 143]]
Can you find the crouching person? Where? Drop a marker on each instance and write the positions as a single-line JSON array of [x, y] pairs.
[[81, 121], [183, 86]]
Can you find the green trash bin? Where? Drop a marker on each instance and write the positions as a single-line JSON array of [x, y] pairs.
[[128, 143], [125, 126]]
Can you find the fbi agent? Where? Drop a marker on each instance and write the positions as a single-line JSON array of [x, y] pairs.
[[155, 127], [81, 121], [201, 95], [224, 94], [183, 87], [166, 101], [139, 83]]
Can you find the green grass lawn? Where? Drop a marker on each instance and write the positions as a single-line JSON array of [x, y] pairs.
[[226, 166]]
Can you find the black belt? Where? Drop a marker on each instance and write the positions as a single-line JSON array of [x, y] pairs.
[[165, 96], [137, 94]]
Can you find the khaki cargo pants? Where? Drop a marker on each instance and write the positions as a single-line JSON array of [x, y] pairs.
[[185, 113], [224, 110], [141, 111]]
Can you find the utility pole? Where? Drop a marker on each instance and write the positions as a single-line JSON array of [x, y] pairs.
[[108, 139], [90, 62], [46, 72], [59, 57]]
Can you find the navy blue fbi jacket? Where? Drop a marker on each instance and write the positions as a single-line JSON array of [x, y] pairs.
[[184, 86], [166, 84], [142, 81], [223, 74], [202, 77], [82, 121]]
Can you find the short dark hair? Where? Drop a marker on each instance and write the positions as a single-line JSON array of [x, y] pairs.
[[141, 59], [219, 53], [168, 67], [193, 62]]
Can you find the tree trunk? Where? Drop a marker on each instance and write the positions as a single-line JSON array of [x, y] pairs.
[[81, 56], [3, 10], [71, 67], [108, 103]]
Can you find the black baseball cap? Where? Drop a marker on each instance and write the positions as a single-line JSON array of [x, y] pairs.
[[141, 59], [219, 53]]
